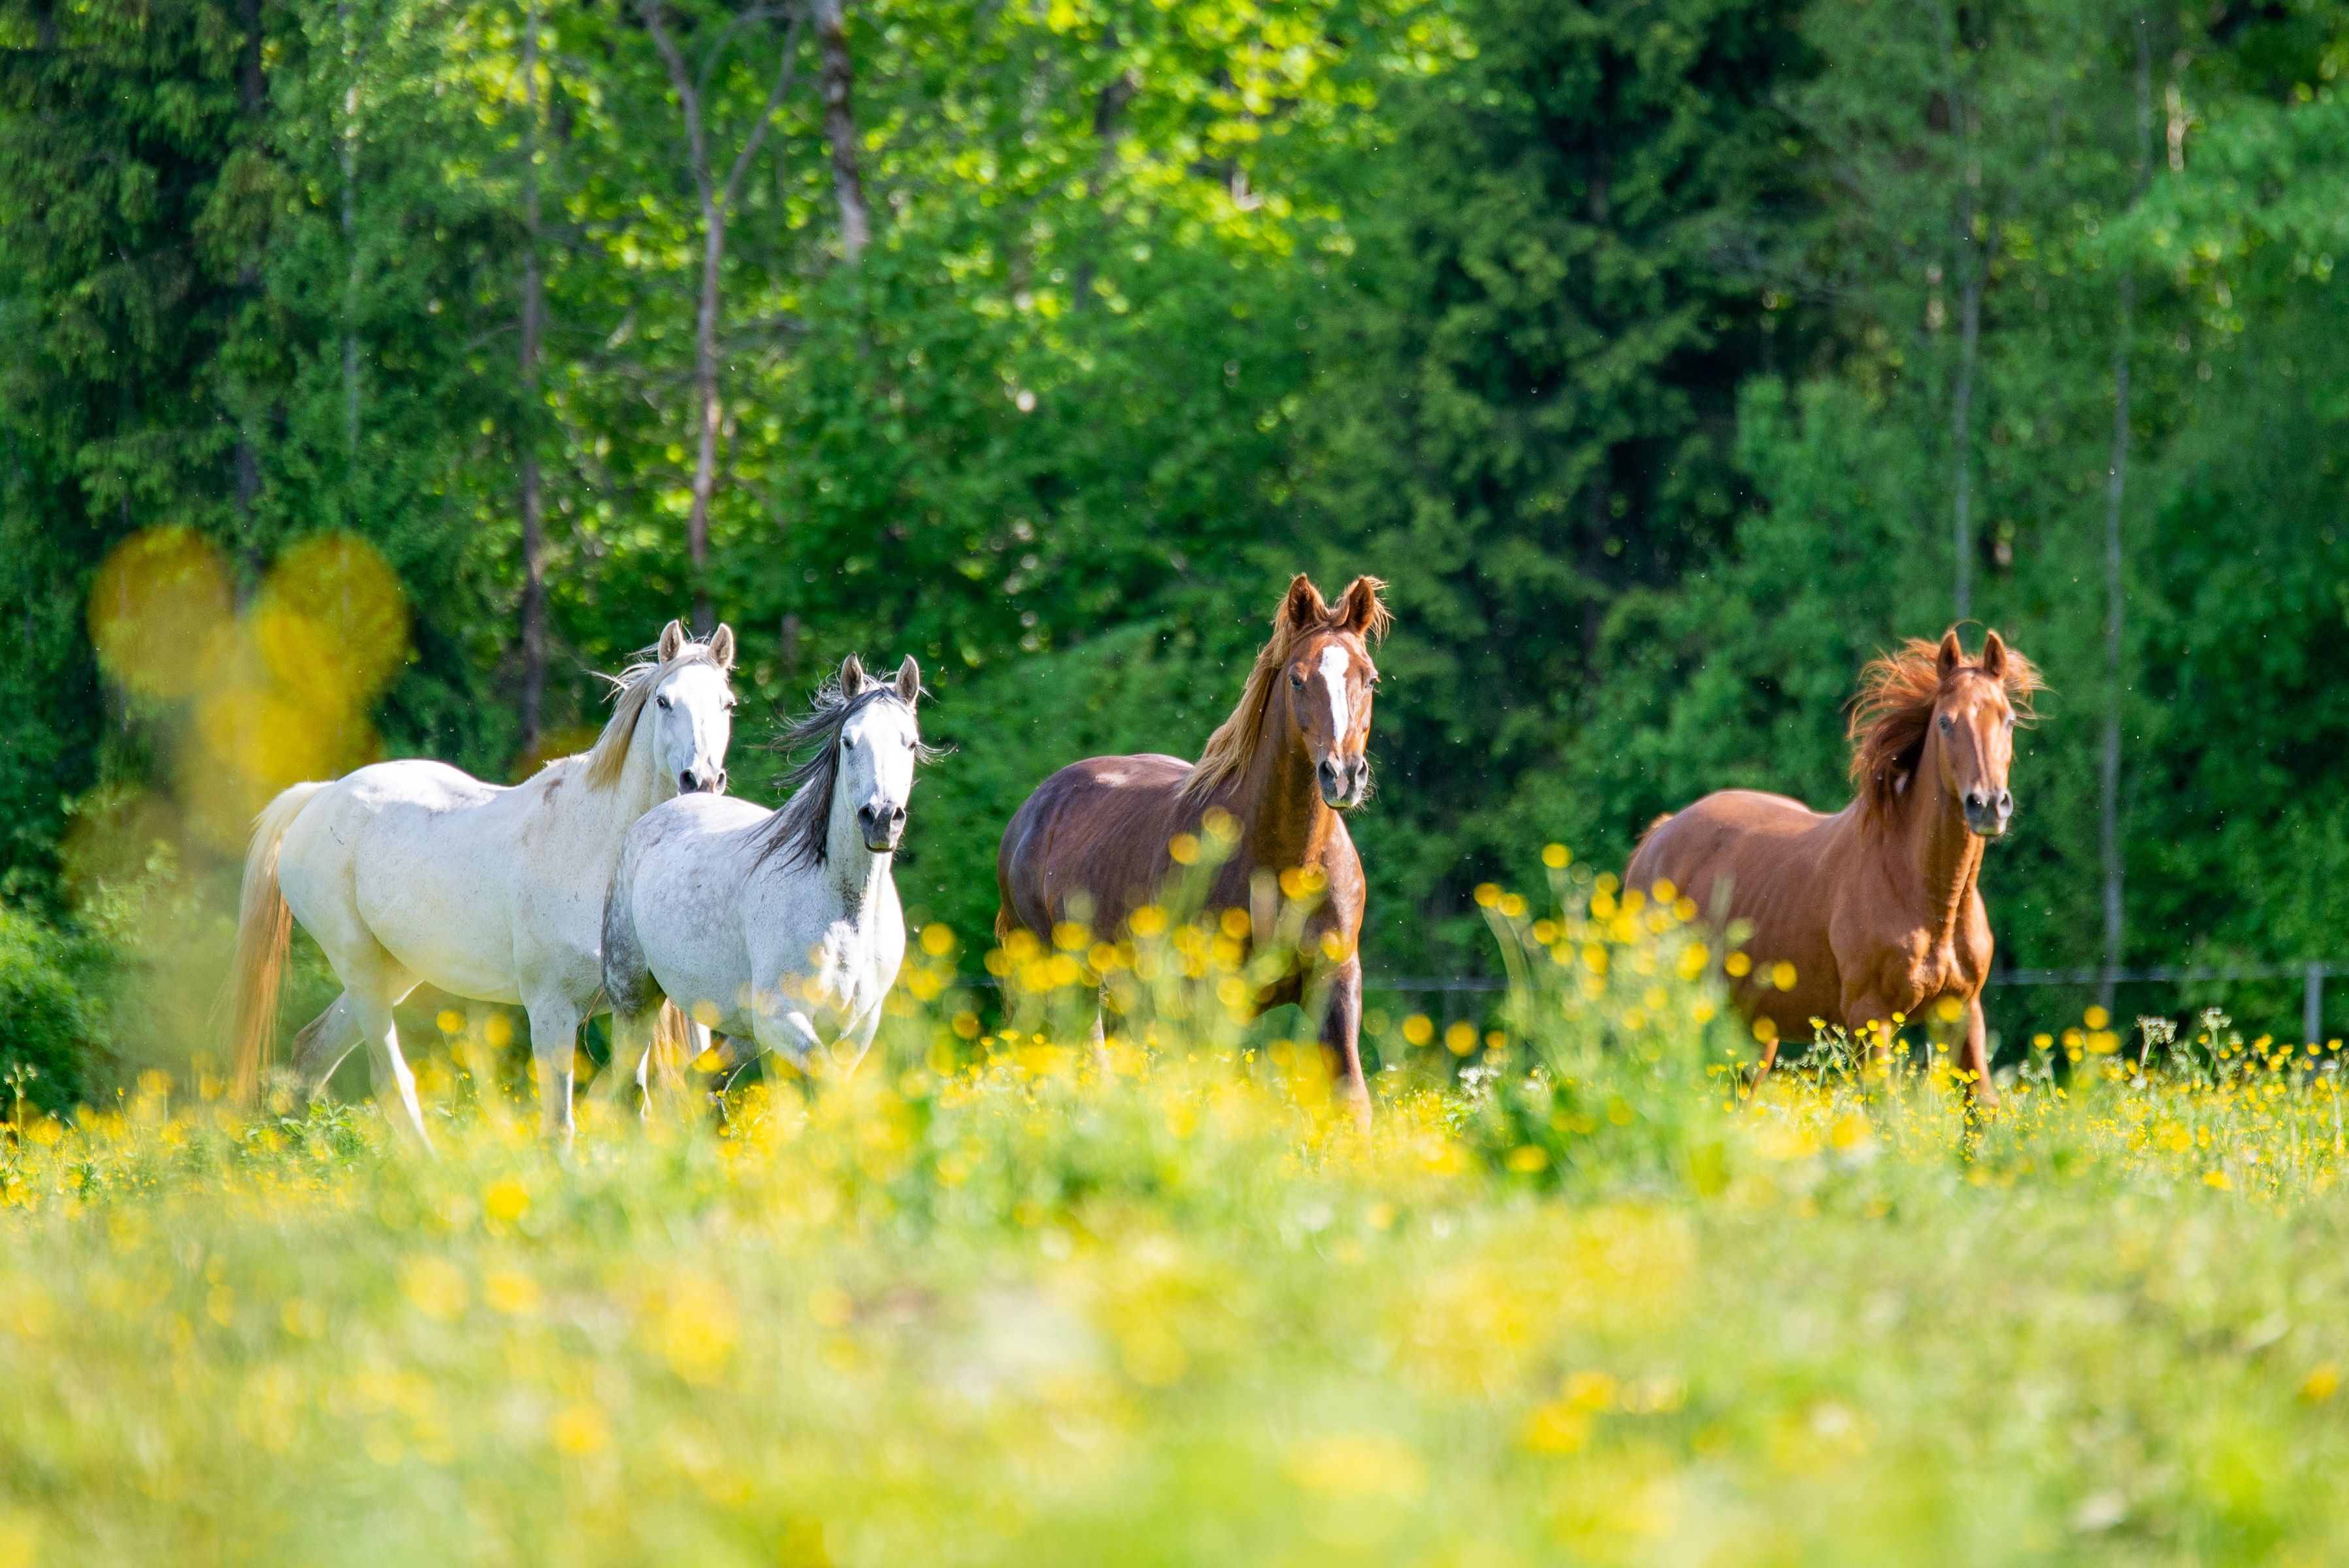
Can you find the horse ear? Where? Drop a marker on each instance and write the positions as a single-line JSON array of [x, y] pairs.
[[909, 681], [722, 646], [672, 639], [1993, 657], [1952, 656], [853, 679], [1304, 606], [1359, 610]]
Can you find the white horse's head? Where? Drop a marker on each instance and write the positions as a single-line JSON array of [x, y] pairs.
[[692, 712], [676, 702], [879, 744], [851, 791]]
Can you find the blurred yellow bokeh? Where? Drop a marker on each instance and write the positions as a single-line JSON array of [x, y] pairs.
[[277, 694], [158, 600]]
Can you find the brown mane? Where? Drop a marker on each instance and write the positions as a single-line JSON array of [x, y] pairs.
[[1231, 747], [1894, 709]]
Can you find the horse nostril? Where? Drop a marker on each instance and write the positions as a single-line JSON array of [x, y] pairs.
[[686, 781], [2005, 802]]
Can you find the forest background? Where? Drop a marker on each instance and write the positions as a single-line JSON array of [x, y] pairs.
[[373, 371]]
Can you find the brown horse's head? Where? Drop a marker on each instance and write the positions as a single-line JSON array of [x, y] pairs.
[[1329, 678], [1930, 705], [1312, 687]]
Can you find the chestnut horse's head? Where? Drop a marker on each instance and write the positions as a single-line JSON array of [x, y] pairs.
[[1312, 686], [1329, 678], [1930, 705]]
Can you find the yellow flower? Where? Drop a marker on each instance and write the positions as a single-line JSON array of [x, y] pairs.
[[507, 1200], [1556, 1428], [2320, 1384], [1357, 1464], [579, 1429], [1556, 856], [435, 1287], [511, 1292]]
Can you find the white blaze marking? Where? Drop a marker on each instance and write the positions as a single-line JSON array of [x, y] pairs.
[[1333, 671]]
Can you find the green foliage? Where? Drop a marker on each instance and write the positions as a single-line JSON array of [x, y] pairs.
[[1645, 346], [55, 1017], [1528, 411]]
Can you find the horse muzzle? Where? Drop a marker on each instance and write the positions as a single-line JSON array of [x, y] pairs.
[[701, 781], [1345, 781], [884, 827], [1989, 811]]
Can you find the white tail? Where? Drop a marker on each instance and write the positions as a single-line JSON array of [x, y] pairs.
[[264, 927]]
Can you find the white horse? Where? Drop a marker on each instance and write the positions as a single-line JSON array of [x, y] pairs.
[[777, 927], [412, 871]]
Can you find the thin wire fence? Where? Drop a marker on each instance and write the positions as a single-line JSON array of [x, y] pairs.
[[2312, 974]]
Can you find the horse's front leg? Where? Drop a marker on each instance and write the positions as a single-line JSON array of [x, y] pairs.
[[784, 1027], [553, 1041], [860, 1036], [1974, 1056], [1341, 1036], [1870, 1023]]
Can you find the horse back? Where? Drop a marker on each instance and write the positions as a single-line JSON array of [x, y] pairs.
[[1093, 833], [1731, 849]]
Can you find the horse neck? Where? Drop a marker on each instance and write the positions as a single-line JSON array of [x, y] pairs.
[[614, 809], [1945, 852], [1283, 819], [855, 872]]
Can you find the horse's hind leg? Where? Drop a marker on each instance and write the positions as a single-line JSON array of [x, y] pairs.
[[373, 980], [632, 1048], [395, 1085], [321, 1046]]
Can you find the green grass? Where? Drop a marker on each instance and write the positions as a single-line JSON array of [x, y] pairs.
[[984, 1303]]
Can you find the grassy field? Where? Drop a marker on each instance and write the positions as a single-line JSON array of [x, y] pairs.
[[986, 1303]]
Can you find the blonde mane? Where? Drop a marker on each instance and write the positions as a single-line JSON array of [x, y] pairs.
[[1894, 709], [1231, 747], [631, 688]]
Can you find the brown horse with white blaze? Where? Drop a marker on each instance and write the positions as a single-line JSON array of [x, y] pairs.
[[1093, 843], [1877, 907]]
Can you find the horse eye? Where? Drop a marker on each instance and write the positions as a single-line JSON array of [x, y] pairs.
[[662, 701], [1296, 680], [1947, 724]]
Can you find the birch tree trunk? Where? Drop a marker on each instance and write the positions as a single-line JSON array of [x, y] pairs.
[[534, 524], [717, 202], [840, 127]]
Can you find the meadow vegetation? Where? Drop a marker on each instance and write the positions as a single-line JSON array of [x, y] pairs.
[[1000, 1298]]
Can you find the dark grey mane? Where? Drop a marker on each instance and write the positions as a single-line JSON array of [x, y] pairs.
[[797, 831]]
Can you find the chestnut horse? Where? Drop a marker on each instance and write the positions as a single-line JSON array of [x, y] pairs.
[[1875, 907], [1092, 842]]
